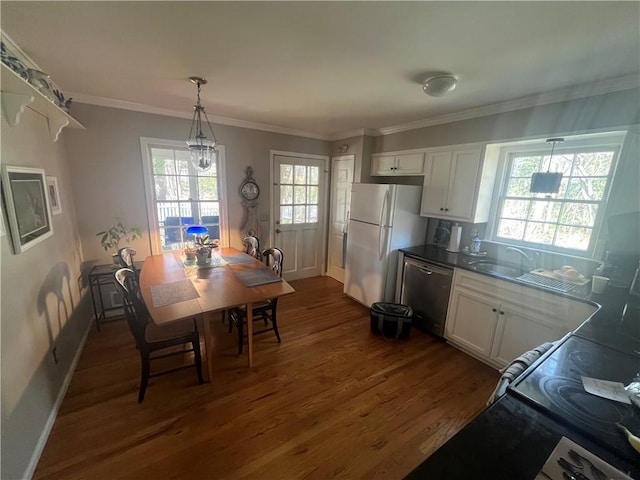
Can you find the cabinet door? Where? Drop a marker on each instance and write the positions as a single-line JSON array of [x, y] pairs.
[[410, 164], [436, 184], [383, 165], [471, 322], [462, 187], [519, 331]]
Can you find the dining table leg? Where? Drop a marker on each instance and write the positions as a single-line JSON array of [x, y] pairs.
[[208, 354], [250, 332]]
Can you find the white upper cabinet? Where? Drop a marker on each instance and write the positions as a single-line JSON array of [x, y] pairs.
[[397, 164], [458, 184]]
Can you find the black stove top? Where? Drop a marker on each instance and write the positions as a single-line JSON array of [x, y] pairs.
[[555, 387]]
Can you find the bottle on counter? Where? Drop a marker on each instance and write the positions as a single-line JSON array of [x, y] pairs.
[[476, 243]]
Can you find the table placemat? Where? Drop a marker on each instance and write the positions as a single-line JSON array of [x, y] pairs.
[[239, 259], [174, 292], [256, 276]]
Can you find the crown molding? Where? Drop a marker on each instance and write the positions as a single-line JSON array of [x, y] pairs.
[[626, 82], [139, 107], [358, 132], [619, 84]]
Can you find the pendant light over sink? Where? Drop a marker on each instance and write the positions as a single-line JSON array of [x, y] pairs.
[[547, 182], [203, 150]]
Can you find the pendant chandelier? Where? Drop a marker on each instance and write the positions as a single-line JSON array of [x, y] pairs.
[[547, 182], [203, 150]]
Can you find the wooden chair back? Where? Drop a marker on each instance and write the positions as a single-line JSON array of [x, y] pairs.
[[252, 246]]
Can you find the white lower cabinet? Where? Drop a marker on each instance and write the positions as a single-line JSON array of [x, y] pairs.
[[520, 330], [477, 335], [497, 321]]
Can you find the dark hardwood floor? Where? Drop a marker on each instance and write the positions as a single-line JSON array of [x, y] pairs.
[[331, 401]]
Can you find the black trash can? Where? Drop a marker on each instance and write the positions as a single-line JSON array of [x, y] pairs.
[[391, 320]]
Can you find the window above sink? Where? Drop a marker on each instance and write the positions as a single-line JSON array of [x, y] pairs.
[[566, 222]]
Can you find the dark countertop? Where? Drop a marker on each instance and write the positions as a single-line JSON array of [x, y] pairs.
[[606, 326], [440, 256], [509, 441], [512, 439]]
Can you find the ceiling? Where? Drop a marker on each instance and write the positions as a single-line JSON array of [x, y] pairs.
[[328, 69]]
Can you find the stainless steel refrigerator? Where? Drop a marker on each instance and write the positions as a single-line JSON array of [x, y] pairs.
[[383, 218]]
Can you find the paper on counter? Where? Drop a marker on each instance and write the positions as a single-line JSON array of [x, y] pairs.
[[606, 389], [551, 469]]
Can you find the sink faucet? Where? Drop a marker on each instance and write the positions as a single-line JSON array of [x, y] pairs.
[[531, 263]]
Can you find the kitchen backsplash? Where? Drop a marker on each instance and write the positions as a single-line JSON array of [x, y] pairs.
[[437, 234]]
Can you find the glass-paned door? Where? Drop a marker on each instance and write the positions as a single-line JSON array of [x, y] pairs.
[[299, 211]]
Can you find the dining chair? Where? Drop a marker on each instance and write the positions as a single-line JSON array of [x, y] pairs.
[[150, 337], [252, 246], [266, 311], [125, 257]]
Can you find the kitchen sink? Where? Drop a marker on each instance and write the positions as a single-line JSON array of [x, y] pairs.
[[496, 269]]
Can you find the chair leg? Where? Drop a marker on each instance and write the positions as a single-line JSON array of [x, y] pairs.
[[144, 376], [274, 321], [240, 327], [198, 358], [230, 321]]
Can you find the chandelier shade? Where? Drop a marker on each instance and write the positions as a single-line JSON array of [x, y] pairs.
[[202, 148]]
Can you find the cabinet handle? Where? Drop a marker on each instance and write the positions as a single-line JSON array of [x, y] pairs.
[[501, 312], [441, 209], [446, 209], [494, 310]]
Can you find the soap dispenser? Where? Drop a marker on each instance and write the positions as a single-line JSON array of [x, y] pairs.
[[475, 243]]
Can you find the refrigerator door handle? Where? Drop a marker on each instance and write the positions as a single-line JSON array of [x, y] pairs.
[[382, 209], [380, 225]]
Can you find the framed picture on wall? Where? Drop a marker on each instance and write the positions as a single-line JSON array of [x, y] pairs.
[[54, 195], [28, 210]]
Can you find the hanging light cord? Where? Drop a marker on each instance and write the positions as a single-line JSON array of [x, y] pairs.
[[553, 142]]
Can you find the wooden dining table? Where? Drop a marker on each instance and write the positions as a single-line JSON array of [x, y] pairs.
[[165, 278]]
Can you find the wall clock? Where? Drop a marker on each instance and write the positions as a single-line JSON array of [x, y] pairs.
[[249, 190]]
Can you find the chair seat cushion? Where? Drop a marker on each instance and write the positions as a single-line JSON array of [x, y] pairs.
[[154, 333]]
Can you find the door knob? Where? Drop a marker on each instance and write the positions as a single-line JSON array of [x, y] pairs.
[[277, 230]]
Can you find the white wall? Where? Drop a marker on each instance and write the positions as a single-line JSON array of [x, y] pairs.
[[33, 321], [107, 169]]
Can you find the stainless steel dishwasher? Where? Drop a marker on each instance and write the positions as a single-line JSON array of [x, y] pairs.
[[426, 288]]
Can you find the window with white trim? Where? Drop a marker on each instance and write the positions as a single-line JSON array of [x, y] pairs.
[[179, 195], [569, 220]]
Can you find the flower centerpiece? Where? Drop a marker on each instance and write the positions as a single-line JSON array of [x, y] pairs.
[[203, 245]]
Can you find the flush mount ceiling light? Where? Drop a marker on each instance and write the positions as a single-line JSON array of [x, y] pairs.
[[547, 182], [439, 85], [203, 150]]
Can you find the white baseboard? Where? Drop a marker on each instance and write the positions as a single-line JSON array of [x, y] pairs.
[[44, 436]]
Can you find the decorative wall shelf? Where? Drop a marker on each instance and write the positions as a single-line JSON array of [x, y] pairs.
[[18, 94]]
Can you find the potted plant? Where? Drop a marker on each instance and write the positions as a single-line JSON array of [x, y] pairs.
[[119, 232]]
